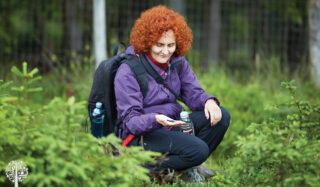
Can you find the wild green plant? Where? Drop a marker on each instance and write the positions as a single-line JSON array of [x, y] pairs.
[[283, 150], [245, 104], [28, 78], [50, 140]]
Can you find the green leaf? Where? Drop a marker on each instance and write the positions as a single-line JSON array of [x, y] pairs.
[[8, 99], [24, 68], [5, 84], [34, 90], [71, 100], [16, 71], [34, 79], [19, 89], [34, 71]]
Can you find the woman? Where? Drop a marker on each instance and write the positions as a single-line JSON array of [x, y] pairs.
[[164, 37]]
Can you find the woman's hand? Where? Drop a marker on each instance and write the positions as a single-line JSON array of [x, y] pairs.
[[166, 121], [212, 110]]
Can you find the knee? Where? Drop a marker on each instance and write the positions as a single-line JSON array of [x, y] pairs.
[[225, 120], [202, 155], [198, 153]]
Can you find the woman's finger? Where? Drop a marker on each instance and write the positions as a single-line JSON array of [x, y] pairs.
[[213, 120], [216, 116], [175, 123], [206, 112]]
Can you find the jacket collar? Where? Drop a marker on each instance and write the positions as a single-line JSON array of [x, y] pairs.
[[174, 59]]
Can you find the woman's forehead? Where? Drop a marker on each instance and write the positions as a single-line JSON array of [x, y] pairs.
[[167, 37]]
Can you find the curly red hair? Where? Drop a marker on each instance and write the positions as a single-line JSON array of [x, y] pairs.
[[152, 23]]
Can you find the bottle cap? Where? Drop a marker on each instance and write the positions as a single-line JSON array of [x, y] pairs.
[[96, 112], [184, 114], [98, 104]]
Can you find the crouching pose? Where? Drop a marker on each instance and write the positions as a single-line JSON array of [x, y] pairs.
[[162, 37]]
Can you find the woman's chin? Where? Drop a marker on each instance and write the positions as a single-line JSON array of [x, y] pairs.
[[162, 60]]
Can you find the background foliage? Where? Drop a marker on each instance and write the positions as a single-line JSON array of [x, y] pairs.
[[45, 128], [273, 137], [239, 34], [283, 150], [49, 138]]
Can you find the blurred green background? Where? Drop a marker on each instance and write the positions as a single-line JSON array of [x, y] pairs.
[[242, 51]]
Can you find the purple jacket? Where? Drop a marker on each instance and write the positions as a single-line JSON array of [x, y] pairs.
[[158, 99]]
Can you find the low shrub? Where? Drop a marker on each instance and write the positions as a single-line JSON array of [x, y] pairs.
[[282, 150], [50, 139]]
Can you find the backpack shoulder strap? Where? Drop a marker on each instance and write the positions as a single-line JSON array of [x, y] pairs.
[[157, 77], [139, 72], [177, 65]]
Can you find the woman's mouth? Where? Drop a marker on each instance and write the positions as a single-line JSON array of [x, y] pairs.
[[164, 56]]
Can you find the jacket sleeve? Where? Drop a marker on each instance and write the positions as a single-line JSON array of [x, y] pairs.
[[171, 110], [191, 91], [129, 102]]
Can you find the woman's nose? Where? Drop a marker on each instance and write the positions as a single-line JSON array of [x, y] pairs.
[[165, 50]]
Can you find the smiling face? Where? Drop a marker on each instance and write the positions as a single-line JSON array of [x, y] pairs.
[[164, 48]]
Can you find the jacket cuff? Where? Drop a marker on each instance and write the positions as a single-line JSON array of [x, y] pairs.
[[155, 124], [214, 98]]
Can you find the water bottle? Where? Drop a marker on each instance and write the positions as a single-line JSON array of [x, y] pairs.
[[97, 121], [188, 127]]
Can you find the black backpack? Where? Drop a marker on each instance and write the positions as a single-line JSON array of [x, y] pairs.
[[103, 87]]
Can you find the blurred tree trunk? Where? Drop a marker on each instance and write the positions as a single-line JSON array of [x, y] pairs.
[[45, 45], [72, 31], [254, 15], [314, 39], [213, 34], [297, 37], [99, 31], [296, 43]]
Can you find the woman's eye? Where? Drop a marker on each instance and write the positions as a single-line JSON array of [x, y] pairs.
[[171, 45], [159, 45]]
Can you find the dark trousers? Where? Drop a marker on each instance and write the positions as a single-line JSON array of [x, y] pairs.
[[184, 150]]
